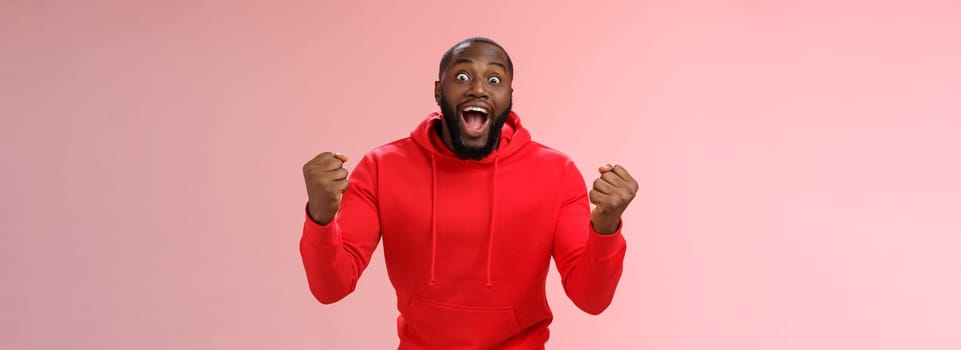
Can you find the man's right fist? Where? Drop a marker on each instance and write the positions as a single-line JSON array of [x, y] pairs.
[[326, 181]]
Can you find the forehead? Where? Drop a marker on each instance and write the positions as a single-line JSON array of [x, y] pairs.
[[478, 52]]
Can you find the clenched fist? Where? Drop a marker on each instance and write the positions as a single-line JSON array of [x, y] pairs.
[[326, 181], [612, 192]]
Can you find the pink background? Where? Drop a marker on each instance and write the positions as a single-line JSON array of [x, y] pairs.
[[799, 165]]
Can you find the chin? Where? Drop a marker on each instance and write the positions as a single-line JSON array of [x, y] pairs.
[[478, 144]]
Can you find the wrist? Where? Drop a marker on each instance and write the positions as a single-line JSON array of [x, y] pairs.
[[318, 217], [605, 222], [605, 227]]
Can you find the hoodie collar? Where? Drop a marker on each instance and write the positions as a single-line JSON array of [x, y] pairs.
[[513, 137]]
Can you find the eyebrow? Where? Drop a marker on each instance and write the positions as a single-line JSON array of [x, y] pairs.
[[468, 60]]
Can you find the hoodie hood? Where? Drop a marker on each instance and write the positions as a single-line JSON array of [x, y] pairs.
[[513, 138]]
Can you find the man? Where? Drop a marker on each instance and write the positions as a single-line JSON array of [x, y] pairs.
[[471, 212]]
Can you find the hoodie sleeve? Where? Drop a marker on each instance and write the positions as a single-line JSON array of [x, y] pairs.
[[336, 254], [590, 263]]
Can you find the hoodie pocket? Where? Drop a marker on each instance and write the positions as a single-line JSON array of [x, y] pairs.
[[446, 325]]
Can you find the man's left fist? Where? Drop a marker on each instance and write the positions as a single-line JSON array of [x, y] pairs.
[[612, 192]]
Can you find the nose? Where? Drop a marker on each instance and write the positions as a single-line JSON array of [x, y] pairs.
[[477, 89]]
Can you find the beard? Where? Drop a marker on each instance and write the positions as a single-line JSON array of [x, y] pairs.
[[452, 119]]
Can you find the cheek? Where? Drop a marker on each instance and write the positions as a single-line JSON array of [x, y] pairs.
[[452, 91], [445, 94], [503, 99]]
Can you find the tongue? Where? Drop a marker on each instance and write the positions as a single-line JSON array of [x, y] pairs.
[[474, 120]]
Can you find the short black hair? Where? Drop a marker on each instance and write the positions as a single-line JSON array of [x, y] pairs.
[[445, 60]]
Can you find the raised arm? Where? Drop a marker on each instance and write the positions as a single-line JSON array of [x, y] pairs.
[[588, 245], [341, 225]]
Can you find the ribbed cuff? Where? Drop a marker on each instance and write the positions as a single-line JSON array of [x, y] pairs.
[[317, 234], [605, 245]]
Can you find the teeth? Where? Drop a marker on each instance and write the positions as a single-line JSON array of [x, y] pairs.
[[475, 109]]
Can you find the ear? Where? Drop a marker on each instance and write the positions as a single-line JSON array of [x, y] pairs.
[[437, 92]]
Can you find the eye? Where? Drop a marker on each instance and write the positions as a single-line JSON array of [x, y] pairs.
[[462, 77], [494, 80]]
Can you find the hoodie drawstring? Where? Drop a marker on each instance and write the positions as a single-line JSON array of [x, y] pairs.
[[490, 235], [433, 222], [433, 218]]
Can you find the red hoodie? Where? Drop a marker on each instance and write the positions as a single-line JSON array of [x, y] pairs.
[[467, 243]]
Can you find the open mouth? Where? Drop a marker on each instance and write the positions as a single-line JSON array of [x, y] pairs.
[[475, 121]]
